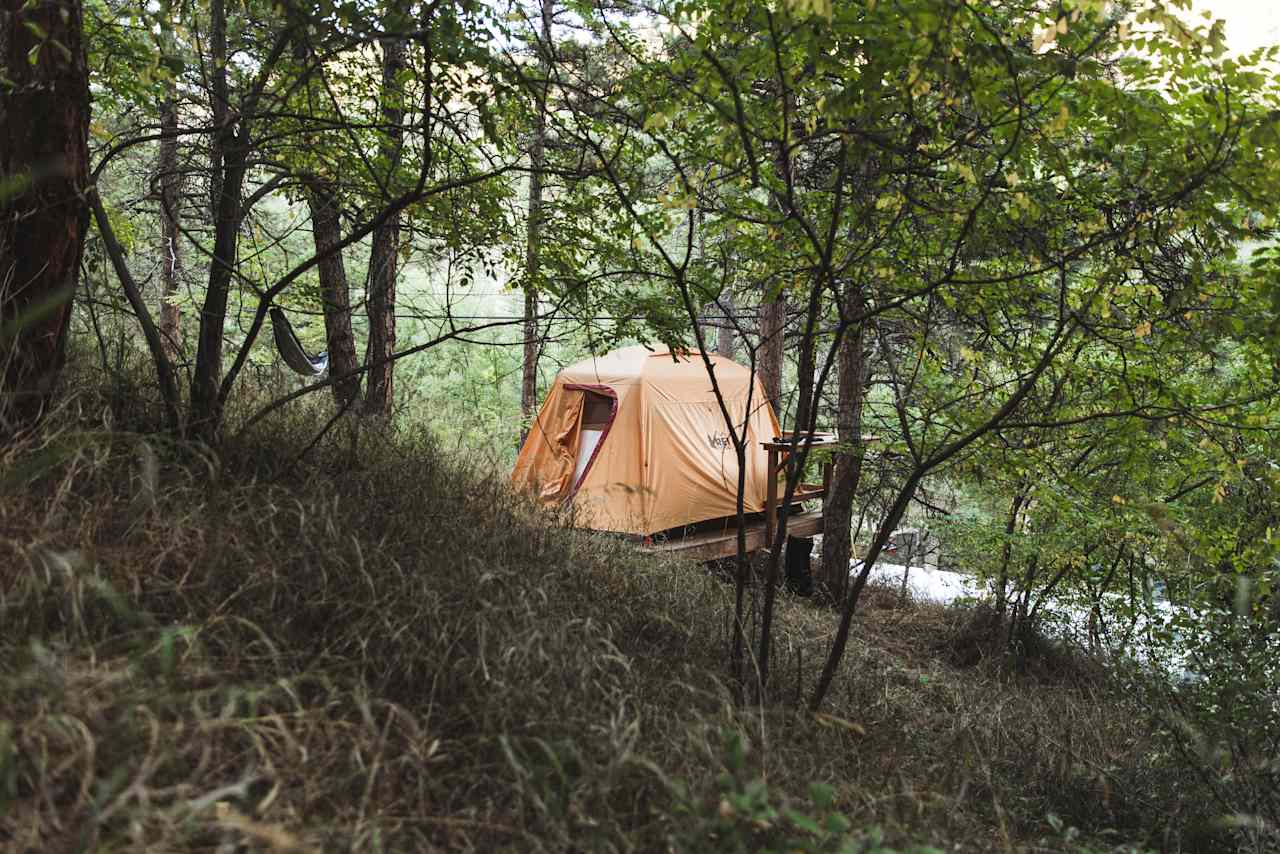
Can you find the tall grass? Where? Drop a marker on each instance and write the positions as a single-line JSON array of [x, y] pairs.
[[367, 644]]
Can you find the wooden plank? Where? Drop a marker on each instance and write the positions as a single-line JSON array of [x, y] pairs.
[[820, 440], [805, 524], [783, 442], [809, 492], [710, 545], [771, 496]]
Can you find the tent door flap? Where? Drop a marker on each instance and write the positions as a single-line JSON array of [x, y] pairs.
[[597, 415]]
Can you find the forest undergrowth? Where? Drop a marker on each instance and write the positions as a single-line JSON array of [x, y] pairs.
[[366, 643]]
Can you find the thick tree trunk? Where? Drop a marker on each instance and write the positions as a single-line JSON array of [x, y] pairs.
[[326, 231], [806, 362], [44, 159], [725, 344], [229, 146], [773, 318], [533, 240], [837, 545], [326, 234], [206, 408], [170, 224], [384, 254], [773, 309]]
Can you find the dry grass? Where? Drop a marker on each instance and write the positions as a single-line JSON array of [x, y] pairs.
[[379, 648]]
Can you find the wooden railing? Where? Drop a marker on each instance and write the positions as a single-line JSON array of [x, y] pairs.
[[722, 541], [786, 444], [778, 448]]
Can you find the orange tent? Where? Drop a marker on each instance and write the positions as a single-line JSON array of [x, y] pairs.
[[636, 441]]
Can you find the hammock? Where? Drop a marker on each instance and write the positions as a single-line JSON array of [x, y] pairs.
[[291, 350]]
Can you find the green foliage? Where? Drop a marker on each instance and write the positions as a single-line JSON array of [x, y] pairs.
[[128, 55], [746, 816]]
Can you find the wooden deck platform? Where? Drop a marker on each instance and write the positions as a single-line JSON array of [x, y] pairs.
[[723, 542], [709, 541]]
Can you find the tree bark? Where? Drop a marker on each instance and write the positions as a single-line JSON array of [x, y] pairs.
[[1006, 551], [170, 224], [529, 368], [44, 160], [773, 318], [533, 240], [384, 254], [229, 146], [326, 232], [837, 545], [326, 235], [725, 344]]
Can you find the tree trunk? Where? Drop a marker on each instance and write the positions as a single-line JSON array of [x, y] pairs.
[[1006, 551], [384, 254], [533, 240], [334, 293], [326, 234], [806, 362], [724, 338], [44, 159], [170, 224], [206, 409], [529, 370], [708, 323], [773, 318], [837, 545], [229, 146]]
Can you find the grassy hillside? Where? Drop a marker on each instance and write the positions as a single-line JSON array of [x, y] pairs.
[[367, 644]]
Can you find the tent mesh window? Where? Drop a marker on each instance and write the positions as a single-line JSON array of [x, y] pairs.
[[596, 411]]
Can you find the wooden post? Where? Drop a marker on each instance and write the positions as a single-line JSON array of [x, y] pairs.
[[771, 499]]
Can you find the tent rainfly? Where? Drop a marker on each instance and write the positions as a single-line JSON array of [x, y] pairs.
[[637, 443]]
